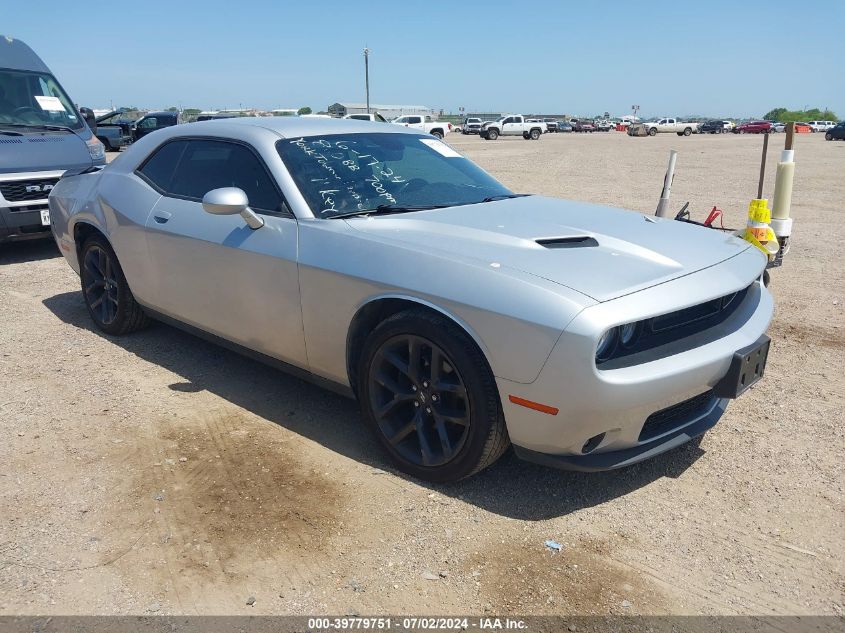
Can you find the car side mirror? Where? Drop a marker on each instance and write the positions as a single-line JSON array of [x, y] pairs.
[[231, 201], [90, 118]]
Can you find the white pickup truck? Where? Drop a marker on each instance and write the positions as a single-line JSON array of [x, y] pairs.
[[668, 124], [513, 125], [424, 123]]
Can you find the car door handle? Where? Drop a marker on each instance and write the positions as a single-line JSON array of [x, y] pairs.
[[161, 216]]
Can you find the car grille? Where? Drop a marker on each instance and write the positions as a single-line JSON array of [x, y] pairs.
[[23, 190], [677, 415]]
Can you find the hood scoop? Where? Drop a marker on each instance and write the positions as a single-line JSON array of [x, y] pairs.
[[577, 241]]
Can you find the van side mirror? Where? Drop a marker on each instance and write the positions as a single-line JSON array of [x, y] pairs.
[[90, 118], [231, 201]]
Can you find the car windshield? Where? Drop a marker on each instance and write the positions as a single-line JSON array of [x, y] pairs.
[[30, 99], [339, 174]]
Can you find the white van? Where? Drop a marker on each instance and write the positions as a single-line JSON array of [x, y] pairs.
[[821, 126]]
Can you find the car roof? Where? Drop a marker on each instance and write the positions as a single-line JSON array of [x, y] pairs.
[[288, 126], [16, 55]]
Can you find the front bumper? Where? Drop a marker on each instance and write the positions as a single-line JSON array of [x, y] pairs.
[[23, 222], [593, 462], [602, 413]]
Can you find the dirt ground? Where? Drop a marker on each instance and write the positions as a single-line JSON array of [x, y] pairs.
[[159, 474]]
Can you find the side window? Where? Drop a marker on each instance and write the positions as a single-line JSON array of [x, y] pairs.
[[150, 122], [208, 165], [402, 119], [508, 120], [415, 119], [161, 166]]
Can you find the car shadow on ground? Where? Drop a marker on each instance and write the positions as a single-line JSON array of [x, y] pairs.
[[510, 488], [28, 251]]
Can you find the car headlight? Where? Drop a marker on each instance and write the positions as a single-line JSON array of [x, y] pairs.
[[606, 344], [96, 149], [628, 334]]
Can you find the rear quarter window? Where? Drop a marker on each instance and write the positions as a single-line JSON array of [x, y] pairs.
[[160, 168]]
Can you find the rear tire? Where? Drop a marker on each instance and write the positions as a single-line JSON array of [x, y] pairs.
[[106, 293], [429, 395], [534, 134], [437, 134], [828, 136], [687, 131]]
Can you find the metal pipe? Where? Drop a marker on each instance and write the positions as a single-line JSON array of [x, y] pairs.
[[663, 204]]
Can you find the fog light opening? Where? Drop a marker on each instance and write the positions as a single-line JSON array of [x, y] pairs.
[[591, 444]]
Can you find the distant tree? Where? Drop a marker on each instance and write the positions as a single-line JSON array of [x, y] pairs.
[[774, 115], [191, 111], [304, 110], [813, 114], [172, 109], [127, 108]]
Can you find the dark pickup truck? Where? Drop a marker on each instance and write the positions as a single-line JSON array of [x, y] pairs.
[[114, 131], [153, 121]]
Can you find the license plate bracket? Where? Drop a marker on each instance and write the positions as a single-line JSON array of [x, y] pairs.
[[747, 367], [45, 217]]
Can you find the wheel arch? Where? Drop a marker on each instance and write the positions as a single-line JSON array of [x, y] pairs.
[[82, 230], [376, 309]]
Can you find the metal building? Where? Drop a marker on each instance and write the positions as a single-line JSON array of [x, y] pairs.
[[387, 111]]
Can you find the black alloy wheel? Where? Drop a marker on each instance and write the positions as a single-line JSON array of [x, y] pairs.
[[106, 293], [428, 393], [419, 400], [100, 287]]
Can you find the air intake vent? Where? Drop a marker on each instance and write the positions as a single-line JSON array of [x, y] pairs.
[[579, 241], [46, 139], [10, 140]]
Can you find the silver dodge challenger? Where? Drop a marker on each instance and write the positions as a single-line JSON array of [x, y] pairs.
[[465, 318]]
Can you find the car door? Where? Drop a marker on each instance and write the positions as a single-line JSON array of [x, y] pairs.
[[145, 126], [512, 125], [213, 271]]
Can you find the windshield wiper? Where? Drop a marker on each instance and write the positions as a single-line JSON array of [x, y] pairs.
[[10, 133], [506, 196], [388, 209], [43, 126]]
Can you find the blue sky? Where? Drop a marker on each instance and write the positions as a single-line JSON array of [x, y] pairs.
[[738, 58]]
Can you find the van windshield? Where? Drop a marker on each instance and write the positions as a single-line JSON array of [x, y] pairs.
[[30, 99]]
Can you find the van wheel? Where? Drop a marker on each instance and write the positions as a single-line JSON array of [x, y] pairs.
[[429, 395], [106, 293]]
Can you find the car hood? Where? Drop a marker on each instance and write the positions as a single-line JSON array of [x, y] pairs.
[[47, 151], [601, 252]]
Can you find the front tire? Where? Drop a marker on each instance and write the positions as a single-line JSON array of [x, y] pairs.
[[492, 135], [652, 131], [107, 296], [428, 393], [828, 136]]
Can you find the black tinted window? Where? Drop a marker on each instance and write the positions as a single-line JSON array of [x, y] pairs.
[[208, 165], [161, 166]]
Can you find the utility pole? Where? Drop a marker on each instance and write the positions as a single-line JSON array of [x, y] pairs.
[[367, 75]]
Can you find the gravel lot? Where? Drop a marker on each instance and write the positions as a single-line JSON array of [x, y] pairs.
[[157, 473]]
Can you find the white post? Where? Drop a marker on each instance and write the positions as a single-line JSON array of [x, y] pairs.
[[663, 204]]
